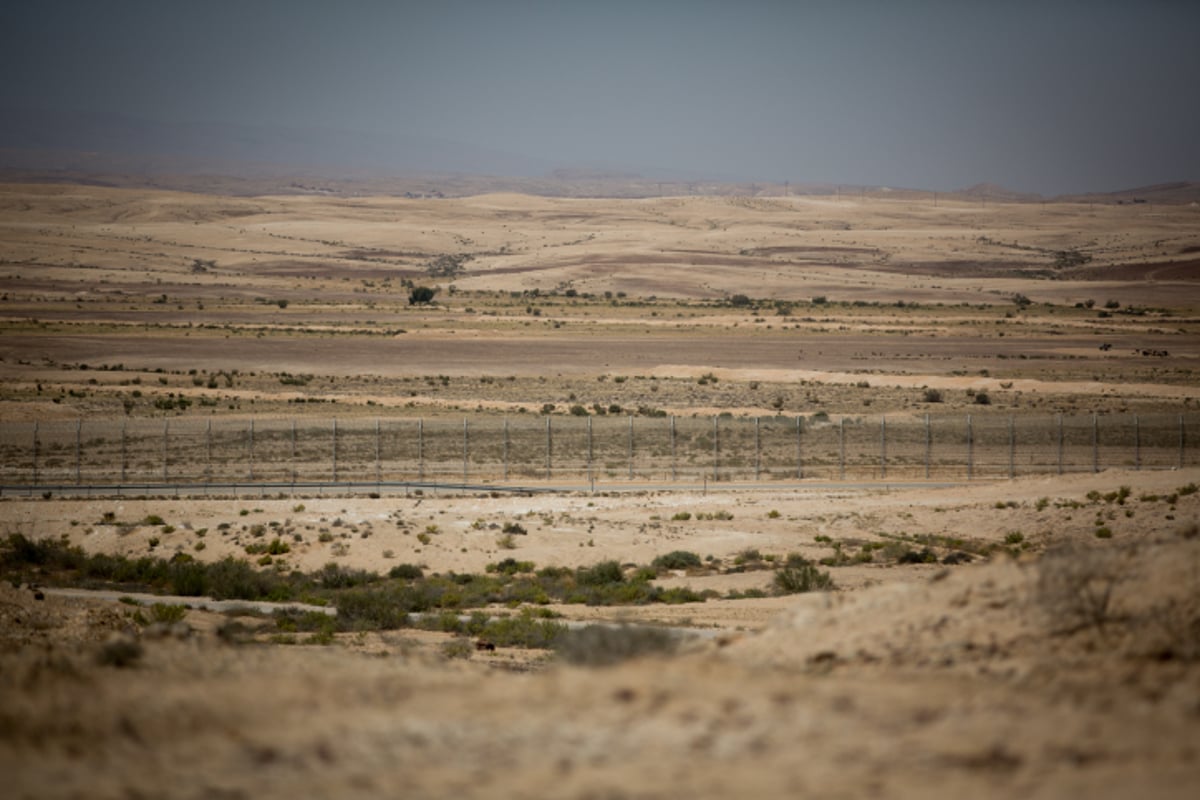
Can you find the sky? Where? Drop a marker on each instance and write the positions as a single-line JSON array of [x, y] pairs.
[[1048, 97]]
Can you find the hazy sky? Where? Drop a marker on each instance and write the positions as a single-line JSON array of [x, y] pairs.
[[1045, 96]]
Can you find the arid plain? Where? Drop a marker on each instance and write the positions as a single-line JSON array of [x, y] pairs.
[[1036, 636]]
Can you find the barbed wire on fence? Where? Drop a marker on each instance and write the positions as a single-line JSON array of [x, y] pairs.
[[609, 448]]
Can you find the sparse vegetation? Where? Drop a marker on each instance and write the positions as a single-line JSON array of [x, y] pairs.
[[800, 575]]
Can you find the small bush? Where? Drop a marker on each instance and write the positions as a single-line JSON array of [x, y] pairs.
[[120, 651], [523, 630], [600, 574], [459, 647], [406, 572], [1075, 587], [605, 645], [801, 575], [510, 566], [922, 556], [677, 559], [167, 613], [370, 609]]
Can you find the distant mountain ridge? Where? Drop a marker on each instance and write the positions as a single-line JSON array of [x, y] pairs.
[[124, 151]]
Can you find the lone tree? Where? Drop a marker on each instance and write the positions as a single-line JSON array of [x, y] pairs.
[[421, 295]]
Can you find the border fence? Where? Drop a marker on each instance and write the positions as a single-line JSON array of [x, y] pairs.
[[487, 450]]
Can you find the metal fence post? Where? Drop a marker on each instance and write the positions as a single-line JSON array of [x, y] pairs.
[[799, 450], [549, 449], [716, 451], [466, 448], [35, 453], [1137, 444], [970, 450], [928, 446], [757, 450], [1095, 443], [631, 447], [1060, 444], [589, 449], [166, 427], [674, 461], [335, 453], [842, 447], [378, 459], [124, 423], [883, 447], [78, 450], [252, 448], [506, 448], [421, 450], [1182, 441], [293, 452], [1012, 448]]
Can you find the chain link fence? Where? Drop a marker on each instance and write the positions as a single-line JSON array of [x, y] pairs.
[[585, 449]]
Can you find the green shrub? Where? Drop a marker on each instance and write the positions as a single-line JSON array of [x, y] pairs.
[[680, 595], [801, 575], [510, 566], [370, 609], [335, 576], [294, 620], [677, 559], [602, 573], [523, 630], [750, 555], [605, 645], [167, 613], [922, 556], [189, 579], [406, 572], [458, 647], [734, 594], [231, 579]]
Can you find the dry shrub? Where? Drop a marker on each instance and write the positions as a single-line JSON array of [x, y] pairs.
[[605, 645], [1076, 584], [1173, 629], [1146, 599], [1169, 629]]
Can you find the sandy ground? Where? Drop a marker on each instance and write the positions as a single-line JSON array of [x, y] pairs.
[[919, 680], [1066, 664]]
